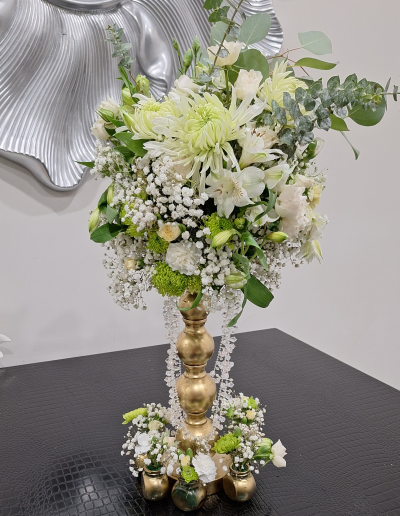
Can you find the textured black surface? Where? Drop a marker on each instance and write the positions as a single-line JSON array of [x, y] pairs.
[[61, 434]]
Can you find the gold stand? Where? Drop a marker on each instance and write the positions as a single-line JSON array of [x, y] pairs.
[[196, 389]]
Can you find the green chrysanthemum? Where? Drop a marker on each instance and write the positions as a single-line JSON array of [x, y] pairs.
[[226, 444], [189, 474], [251, 402], [216, 224], [173, 283], [194, 284], [157, 244], [133, 414]]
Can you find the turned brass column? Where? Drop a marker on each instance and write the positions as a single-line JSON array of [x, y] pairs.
[[196, 389]]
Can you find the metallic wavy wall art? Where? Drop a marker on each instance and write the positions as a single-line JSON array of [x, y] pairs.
[[55, 68]]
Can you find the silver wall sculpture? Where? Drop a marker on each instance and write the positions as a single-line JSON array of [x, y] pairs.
[[55, 69]]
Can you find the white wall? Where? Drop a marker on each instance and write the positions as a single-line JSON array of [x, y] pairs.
[[53, 298]]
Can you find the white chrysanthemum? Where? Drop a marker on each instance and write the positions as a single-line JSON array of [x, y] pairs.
[[141, 123], [201, 136], [280, 82], [230, 189], [205, 467]]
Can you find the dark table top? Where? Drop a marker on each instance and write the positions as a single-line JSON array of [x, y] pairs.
[[61, 433]]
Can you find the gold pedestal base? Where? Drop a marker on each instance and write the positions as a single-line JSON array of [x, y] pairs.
[[190, 432], [216, 485]]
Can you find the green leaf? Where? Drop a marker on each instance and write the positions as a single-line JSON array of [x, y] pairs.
[[89, 164], [367, 117], [116, 122], [255, 28], [127, 154], [338, 124], [237, 316], [257, 293], [195, 302], [135, 146], [356, 152], [103, 200], [111, 213], [261, 257], [262, 453], [248, 239], [252, 59], [126, 81], [212, 4], [106, 232], [241, 262], [316, 42], [311, 62]]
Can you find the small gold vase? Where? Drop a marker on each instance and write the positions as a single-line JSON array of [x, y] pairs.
[[239, 486], [155, 485], [189, 496]]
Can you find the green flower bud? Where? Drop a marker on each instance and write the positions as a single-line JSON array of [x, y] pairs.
[[128, 120], [189, 452], [143, 84], [175, 44], [196, 45], [106, 114], [110, 194], [266, 442], [188, 58], [140, 263], [236, 280], [240, 222], [237, 432], [126, 97], [94, 220], [278, 237], [223, 237]]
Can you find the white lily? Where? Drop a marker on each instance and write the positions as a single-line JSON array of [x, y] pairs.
[[256, 146], [3, 338], [275, 177], [252, 213], [230, 189]]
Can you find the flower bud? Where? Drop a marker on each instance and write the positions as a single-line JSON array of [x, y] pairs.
[[236, 280], [94, 220], [188, 58], [223, 237], [240, 222], [169, 231], [278, 237], [130, 263], [106, 114], [196, 45], [143, 84], [128, 120], [126, 97], [110, 194]]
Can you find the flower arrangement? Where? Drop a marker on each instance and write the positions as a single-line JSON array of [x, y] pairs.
[[215, 186], [245, 442]]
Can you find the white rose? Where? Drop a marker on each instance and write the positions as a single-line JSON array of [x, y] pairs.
[[232, 47], [143, 443], [185, 460], [291, 206], [304, 181], [247, 82], [110, 105], [279, 451], [185, 83], [169, 441], [130, 263], [98, 130], [169, 231], [155, 425], [251, 414], [205, 467], [183, 257]]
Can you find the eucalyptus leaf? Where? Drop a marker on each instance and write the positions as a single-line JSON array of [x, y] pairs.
[[317, 64], [338, 124], [212, 4], [367, 117], [219, 14], [253, 59], [316, 42], [217, 33], [255, 28]]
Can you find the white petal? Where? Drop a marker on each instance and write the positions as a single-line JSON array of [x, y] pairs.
[[4, 338], [279, 462]]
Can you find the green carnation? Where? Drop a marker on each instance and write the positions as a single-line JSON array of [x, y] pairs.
[[226, 444], [216, 224], [189, 474], [173, 283], [157, 244], [130, 416]]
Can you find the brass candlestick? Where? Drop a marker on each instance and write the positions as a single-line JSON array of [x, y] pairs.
[[196, 389]]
